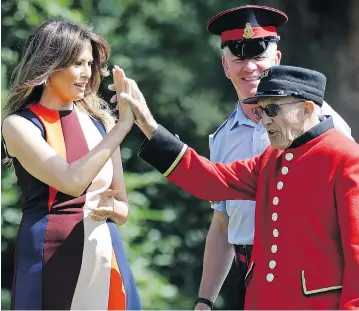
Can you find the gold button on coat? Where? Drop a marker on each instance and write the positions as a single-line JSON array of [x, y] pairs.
[[272, 264], [275, 200], [274, 248], [274, 216], [289, 156], [270, 277], [285, 170]]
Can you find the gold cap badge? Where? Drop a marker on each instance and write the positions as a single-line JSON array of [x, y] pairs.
[[248, 31], [265, 73]]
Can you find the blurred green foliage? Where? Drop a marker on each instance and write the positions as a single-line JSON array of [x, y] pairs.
[[164, 46]]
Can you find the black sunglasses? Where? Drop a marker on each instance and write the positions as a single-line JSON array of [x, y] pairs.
[[249, 48], [271, 110]]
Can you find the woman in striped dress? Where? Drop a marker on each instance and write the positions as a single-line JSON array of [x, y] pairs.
[[64, 145]]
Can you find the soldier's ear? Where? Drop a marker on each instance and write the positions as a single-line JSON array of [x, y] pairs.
[[225, 67]]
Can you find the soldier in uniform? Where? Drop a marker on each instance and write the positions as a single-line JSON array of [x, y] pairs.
[[249, 41], [306, 185]]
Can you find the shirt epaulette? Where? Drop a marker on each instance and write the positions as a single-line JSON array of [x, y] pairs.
[[233, 114]]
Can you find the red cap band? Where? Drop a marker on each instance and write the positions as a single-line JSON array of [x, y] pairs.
[[257, 32]]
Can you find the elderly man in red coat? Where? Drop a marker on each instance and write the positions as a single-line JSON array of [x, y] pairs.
[[306, 184]]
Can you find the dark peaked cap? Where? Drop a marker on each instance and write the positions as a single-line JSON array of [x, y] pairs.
[[282, 81], [231, 24]]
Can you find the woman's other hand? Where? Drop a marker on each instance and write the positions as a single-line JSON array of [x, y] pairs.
[[110, 207]]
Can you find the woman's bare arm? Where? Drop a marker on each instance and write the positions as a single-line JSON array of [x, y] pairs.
[[24, 142], [120, 212]]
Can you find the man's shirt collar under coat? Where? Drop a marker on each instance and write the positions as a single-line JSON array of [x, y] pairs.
[[326, 123], [240, 118]]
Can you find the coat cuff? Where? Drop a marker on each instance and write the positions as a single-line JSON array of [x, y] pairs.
[[163, 151]]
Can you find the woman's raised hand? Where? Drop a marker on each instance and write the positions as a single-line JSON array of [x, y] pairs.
[[122, 85], [129, 96]]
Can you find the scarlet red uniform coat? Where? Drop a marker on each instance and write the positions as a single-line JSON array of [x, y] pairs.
[[306, 244]]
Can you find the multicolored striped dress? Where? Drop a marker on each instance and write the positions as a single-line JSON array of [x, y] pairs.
[[65, 259]]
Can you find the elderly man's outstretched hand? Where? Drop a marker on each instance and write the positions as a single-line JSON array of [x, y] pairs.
[[131, 103]]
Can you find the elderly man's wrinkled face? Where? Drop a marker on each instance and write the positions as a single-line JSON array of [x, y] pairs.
[[288, 124]]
